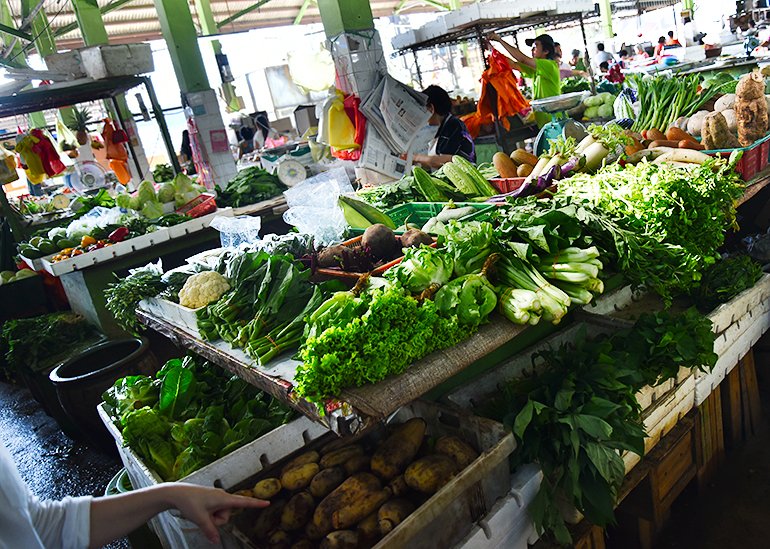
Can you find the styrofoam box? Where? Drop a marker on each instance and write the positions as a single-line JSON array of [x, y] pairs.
[[34, 264], [197, 224], [434, 29], [88, 259], [118, 60], [508, 525], [174, 313], [406, 39], [176, 532]]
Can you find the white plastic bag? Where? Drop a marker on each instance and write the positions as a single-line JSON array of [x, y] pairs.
[[234, 231]]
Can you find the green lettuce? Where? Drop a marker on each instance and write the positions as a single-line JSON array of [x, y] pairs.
[[422, 268]]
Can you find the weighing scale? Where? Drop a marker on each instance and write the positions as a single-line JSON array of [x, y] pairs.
[[88, 177], [560, 124]]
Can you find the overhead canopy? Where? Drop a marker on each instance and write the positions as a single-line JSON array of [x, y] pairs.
[[135, 20], [66, 94]]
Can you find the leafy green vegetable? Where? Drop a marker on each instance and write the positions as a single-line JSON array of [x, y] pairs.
[[578, 410], [146, 193], [394, 331], [471, 298], [422, 268], [725, 279], [190, 415], [389, 195], [574, 84], [162, 173], [249, 186], [39, 343], [124, 295], [469, 243]]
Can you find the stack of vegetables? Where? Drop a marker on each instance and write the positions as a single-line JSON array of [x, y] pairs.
[[250, 186], [190, 414], [150, 202], [578, 411]]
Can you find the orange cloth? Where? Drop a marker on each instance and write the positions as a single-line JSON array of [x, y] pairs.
[[509, 101], [115, 151]]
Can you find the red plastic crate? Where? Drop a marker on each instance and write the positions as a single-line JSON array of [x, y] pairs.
[[507, 184], [201, 205], [754, 159]]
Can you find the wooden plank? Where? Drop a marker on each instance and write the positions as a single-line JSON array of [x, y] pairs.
[[731, 408], [755, 404], [757, 183], [748, 427], [719, 430], [261, 208], [356, 409]]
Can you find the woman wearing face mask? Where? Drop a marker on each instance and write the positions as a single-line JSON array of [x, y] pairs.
[[542, 68], [452, 137]]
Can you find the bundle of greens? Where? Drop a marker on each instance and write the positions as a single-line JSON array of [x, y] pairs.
[[725, 279], [389, 195], [249, 186], [665, 223], [124, 296], [352, 343], [471, 297], [39, 343], [191, 414], [577, 412], [422, 269], [263, 312], [664, 99]]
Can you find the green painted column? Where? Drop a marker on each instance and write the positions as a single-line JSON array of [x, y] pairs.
[[45, 45], [16, 57], [209, 27], [340, 16], [689, 5], [179, 32], [605, 12]]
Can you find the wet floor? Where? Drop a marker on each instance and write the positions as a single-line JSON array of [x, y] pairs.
[[52, 464]]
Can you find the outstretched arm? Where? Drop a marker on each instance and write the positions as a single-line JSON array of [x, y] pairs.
[[519, 56], [115, 516]]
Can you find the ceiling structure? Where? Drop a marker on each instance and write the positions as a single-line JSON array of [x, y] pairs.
[[137, 20]]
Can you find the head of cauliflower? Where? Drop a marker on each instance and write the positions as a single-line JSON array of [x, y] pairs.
[[203, 288]]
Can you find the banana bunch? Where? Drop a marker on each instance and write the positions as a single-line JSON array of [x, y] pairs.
[[361, 215]]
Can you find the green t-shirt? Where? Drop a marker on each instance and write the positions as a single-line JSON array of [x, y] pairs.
[[546, 82]]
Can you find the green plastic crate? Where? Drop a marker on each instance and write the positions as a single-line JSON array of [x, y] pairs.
[[420, 212]]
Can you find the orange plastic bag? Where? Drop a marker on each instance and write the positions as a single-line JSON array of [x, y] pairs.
[[115, 151], [500, 96], [120, 167]]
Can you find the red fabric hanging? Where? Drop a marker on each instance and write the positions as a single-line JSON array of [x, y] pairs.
[[352, 104], [49, 156]]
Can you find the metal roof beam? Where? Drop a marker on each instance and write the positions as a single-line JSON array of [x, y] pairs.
[[241, 13], [16, 32], [302, 10], [112, 6]]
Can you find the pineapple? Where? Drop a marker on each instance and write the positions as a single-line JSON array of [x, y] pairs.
[[79, 124]]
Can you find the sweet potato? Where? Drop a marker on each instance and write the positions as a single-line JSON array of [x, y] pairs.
[[655, 135], [339, 457], [267, 488], [521, 156], [299, 477], [297, 511], [676, 134], [393, 513], [687, 144], [663, 143]]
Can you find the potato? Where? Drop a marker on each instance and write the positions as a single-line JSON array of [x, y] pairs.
[[392, 513], [523, 170], [326, 481], [520, 156], [369, 529], [398, 450], [460, 451], [350, 493], [267, 518], [297, 512], [398, 486], [350, 515], [279, 539], [731, 119], [299, 477], [341, 539], [356, 464], [313, 532], [339, 457], [302, 459], [303, 543], [429, 474], [695, 123], [267, 488]]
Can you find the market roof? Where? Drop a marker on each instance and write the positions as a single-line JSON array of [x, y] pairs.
[[65, 94], [135, 20]]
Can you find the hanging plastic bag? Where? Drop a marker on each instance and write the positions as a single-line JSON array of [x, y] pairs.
[[64, 136], [322, 112], [120, 167], [342, 132], [115, 151], [30, 160], [44, 147], [352, 104], [8, 171]]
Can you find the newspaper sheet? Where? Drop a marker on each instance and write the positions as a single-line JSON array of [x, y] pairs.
[[376, 155]]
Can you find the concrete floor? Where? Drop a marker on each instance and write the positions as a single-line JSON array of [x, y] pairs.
[[52, 464]]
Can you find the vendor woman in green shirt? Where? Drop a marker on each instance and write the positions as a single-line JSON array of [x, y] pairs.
[[541, 67]]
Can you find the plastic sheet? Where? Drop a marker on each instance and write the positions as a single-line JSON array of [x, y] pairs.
[[234, 231]]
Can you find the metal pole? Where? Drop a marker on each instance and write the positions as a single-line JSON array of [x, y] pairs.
[[516, 38], [587, 58], [417, 67], [480, 37], [119, 116], [162, 125]]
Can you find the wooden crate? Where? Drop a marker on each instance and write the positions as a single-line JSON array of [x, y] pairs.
[[741, 406]]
